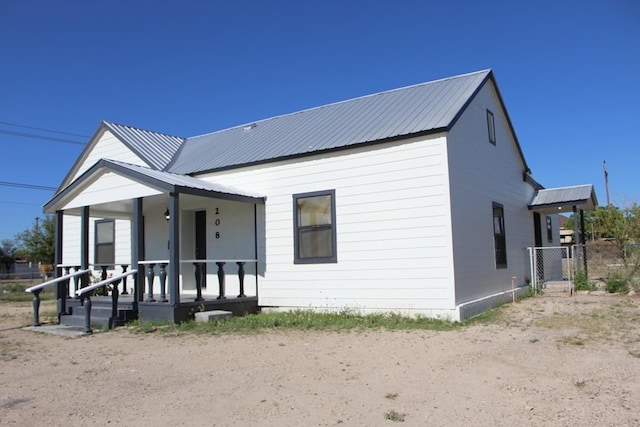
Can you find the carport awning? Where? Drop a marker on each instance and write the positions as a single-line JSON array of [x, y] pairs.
[[563, 199]]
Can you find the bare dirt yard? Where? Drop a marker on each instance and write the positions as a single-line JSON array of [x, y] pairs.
[[547, 360]]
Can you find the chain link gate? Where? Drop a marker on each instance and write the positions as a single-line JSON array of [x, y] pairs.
[[552, 268]]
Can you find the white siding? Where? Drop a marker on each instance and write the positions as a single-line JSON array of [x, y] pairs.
[[482, 173], [108, 147], [71, 241], [110, 187], [392, 219]]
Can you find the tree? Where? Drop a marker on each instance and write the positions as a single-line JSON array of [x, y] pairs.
[[620, 224], [8, 251], [38, 243]]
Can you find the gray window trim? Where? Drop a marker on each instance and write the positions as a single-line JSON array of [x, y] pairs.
[[491, 127], [499, 239], [96, 243], [334, 250]]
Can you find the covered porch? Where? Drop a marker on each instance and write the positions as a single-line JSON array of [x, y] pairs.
[[166, 245]]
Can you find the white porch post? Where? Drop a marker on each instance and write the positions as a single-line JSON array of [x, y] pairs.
[[174, 249]]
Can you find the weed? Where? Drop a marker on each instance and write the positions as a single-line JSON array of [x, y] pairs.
[[391, 396], [635, 353], [580, 384], [534, 340], [572, 340], [582, 282], [394, 416], [616, 284]]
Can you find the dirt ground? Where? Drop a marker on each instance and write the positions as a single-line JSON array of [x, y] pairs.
[[548, 360]]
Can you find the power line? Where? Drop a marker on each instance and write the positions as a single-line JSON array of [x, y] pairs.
[[10, 202], [43, 129], [28, 186], [47, 138]]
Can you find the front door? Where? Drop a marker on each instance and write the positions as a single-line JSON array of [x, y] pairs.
[[201, 243]]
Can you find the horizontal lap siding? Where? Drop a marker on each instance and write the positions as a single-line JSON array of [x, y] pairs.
[[110, 187], [392, 220], [482, 173], [108, 147]]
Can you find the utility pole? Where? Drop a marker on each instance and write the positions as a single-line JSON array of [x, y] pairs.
[[606, 180]]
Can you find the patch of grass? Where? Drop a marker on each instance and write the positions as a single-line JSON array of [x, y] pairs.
[[302, 320], [580, 383], [391, 396], [572, 340], [9, 351], [395, 416], [635, 353], [534, 340], [14, 292]]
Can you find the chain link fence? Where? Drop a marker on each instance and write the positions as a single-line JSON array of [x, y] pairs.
[[599, 264], [604, 259]]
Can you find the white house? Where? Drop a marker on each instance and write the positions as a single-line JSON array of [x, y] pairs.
[[417, 200]]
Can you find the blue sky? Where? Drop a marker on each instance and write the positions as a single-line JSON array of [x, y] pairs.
[[569, 73]]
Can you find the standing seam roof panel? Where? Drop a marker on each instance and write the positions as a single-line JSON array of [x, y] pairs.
[[399, 112]]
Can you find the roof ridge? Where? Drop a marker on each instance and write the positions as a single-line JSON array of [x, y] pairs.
[[319, 107]]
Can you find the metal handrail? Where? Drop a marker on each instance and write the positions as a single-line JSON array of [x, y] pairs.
[[56, 280], [105, 282]]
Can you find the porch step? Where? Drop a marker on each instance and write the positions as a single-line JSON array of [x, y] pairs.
[[212, 315], [100, 315]]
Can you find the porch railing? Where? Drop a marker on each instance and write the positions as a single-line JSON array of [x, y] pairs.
[[200, 277], [35, 290], [85, 293]]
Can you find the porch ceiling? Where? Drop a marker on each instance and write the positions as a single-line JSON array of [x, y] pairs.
[[563, 199], [113, 184]]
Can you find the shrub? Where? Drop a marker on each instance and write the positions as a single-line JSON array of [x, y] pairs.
[[582, 282], [616, 284]]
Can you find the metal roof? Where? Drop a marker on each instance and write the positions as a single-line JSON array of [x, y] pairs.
[[157, 149], [422, 108], [180, 181], [163, 181], [582, 196]]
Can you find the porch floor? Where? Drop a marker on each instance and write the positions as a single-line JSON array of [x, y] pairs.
[[157, 311]]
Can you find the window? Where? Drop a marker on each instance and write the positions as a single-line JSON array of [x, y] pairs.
[[104, 253], [491, 127], [549, 230], [314, 227], [499, 236]]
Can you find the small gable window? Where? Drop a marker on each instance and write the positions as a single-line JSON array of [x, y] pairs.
[[314, 227], [491, 127]]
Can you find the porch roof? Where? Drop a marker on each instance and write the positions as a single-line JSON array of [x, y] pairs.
[[563, 199], [161, 181]]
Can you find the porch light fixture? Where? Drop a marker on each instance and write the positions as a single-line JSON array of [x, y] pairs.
[[167, 216]]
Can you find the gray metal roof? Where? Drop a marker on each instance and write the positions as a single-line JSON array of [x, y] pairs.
[[181, 181], [163, 181], [583, 196], [411, 110], [157, 149]]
